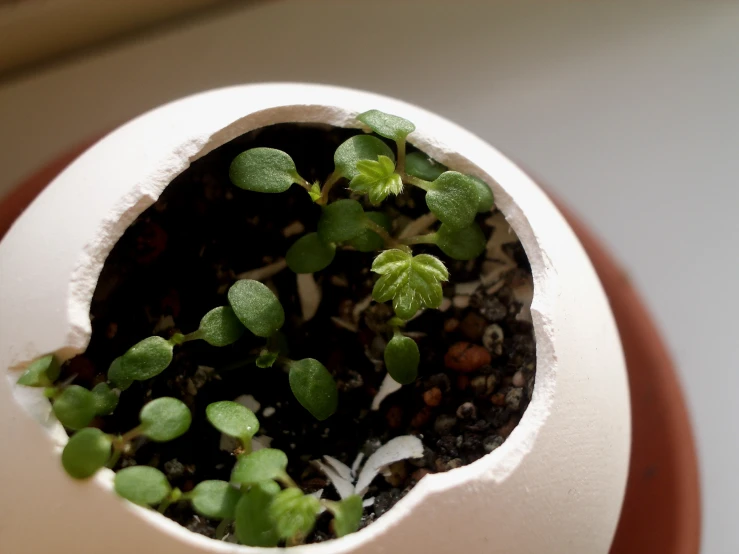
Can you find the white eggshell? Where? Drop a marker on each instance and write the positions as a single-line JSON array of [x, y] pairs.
[[556, 485]]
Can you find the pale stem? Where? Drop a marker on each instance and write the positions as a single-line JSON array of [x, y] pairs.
[[400, 166], [415, 181], [421, 239], [386, 237], [327, 186]]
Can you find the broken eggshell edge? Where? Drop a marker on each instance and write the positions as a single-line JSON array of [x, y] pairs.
[[555, 485]]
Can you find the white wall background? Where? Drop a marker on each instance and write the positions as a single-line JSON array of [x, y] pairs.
[[629, 110]]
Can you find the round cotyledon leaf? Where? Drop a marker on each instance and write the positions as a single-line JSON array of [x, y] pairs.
[[86, 452], [402, 358], [314, 387], [106, 400], [387, 125], [253, 525], [263, 170], [256, 306], [420, 165], [221, 327], [233, 419], [454, 199], [309, 254], [165, 419], [341, 221], [215, 499], [347, 514], [146, 359], [267, 464], [74, 407], [357, 148], [461, 244], [142, 485], [294, 513]]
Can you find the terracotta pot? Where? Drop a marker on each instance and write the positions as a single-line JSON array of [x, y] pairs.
[[570, 451]]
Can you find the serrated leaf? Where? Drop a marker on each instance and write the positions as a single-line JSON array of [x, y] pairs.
[[115, 374], [309, 254], [233, 419], [314, 387], [267, 464], [165, 419], [266, 359], [254, 527], [402, 358], [256, 306], [146, 359], [106, 399], [357, 148], [411, 282], [341, 221], [369, 241], [294, 513], [461, 244], [315, 192], [377, 179], [387, 125], [142, 485], [263, 170], [215, 499], [221, 327], [74, 407], [453, 198], [86, 452], [420, 165], [485, 200], [41, 372], [347, 514]]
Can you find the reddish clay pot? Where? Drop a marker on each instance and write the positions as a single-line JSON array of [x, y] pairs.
[[661, 511]]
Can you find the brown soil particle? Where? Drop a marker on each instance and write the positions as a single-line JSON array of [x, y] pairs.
[[177, 261]]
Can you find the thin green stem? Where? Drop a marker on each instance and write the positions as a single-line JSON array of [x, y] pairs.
[[114, 458], [400, 165], [430, 238], [327, 186], [222, 529], [286, 480], [195, 335], [120, 443], [302, 182], [415, 181], [389, 241]]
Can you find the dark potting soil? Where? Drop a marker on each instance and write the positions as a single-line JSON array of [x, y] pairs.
[[177, 261]]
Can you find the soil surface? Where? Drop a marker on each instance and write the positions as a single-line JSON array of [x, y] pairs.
[[177, 261]]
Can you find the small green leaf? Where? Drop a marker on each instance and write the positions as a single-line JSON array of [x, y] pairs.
[[233, 419], [357, 148], [74, 407], [146, 359], [294, 513], [454, 199], [115, 374], [266, 359], [420, 165], [142, 485], [314, 387], [215, 499], [165, 419], [386, 125], [309, 254], [461, 244], [369, 241], [221, 327], [41, 372], [267, 464], [341, 221], [347, 514], [315, 192], [106, 399], [484, 195], [402, 358], [377, 179], [86, 452], [253, 524], [411, 282], [264, 170], [256, 307]]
